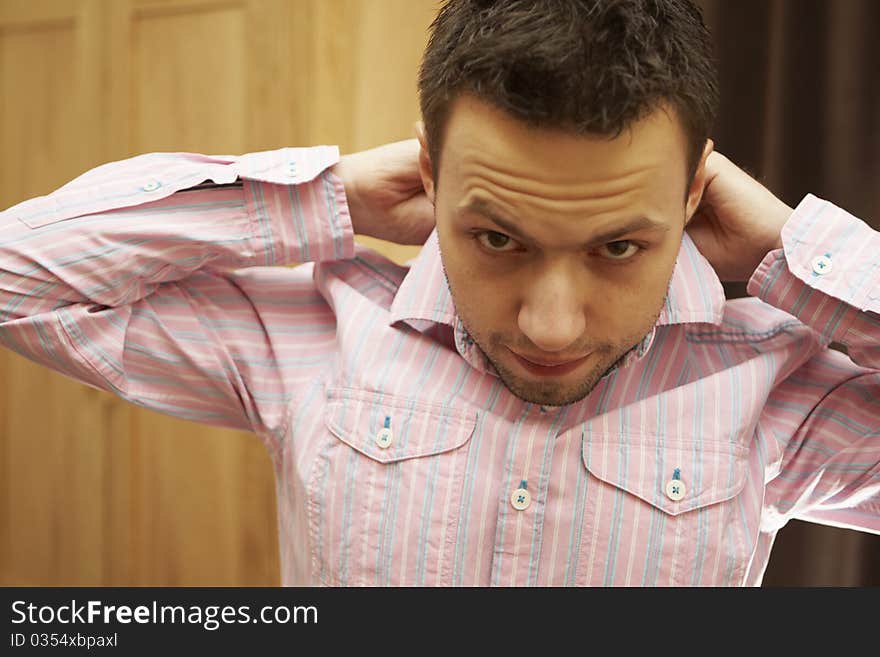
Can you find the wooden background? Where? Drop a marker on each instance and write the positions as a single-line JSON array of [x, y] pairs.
[[95, 491]]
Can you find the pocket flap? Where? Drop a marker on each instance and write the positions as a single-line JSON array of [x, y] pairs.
[[357, 417], [707, 472]]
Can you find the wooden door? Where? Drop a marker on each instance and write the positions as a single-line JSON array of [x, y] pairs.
[[93, 490]]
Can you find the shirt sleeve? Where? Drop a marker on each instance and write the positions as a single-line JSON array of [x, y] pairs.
[[154, 278], [828, 276]]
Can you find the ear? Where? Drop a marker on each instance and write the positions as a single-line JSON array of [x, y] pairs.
[[698, 184], [426, 170]]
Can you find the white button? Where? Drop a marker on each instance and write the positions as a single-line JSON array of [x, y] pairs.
[[521, 499], [675, 489], [152, 186], [821, 265], [384, 438]]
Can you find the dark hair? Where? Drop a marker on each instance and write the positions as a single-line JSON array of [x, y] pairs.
[[584, 66]]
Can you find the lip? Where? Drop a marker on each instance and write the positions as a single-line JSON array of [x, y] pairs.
[[549, 368]]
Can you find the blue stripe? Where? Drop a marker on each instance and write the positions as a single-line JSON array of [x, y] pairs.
[[700, 280], [698, 457], [605, 398], [94, 349], [658, 522], [304, 409], [427, 507], [861, 467], [394, 476], [541, 491], [86, 294], [176, 359], [297, 221], [577, 525], [335, 229], [737, 419], [852, 231], [466, 504], [510, 461], [266, 236], [617, 510], [348, 369], [91, 201], [348, 497], [388, 519], [273, 300], [125, 215]]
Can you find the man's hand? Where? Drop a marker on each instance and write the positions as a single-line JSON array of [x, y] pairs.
[[738, 220], [385, 193]]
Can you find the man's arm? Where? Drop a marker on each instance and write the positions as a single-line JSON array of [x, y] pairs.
[[820, 264], [828, 276], [125, 281]]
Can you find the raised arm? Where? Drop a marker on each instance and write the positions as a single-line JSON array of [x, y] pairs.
[[151, 278]]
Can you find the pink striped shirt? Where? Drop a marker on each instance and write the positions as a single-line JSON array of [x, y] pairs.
[[400, 458]]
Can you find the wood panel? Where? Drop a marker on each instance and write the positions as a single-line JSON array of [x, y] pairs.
[[96, 491], [55, 473], [366, 93]]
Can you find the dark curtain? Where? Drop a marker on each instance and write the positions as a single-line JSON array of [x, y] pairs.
[[800, 110]]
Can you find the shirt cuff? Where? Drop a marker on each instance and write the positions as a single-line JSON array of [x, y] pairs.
[[826, 272], [297, 206]]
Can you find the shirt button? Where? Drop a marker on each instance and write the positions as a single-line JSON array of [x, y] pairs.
[[384, 438], [821, 265], [521, 498], [151, 186], [675, 489]]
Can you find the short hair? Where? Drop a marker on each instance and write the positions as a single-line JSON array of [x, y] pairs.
[[581, 66]]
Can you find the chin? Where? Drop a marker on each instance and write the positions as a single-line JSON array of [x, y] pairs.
[[560, 392]]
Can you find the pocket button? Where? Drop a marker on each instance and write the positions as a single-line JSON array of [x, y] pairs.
[[675, 489], [384, 438]]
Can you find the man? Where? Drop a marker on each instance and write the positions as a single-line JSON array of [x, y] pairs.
[[555, 391]]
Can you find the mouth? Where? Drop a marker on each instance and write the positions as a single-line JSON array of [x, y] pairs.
[[543, 367]]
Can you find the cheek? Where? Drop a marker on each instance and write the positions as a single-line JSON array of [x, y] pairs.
[[485, 301], [623, 300], [633, 302]]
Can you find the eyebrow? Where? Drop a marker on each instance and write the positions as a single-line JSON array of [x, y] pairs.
[[481, 207]]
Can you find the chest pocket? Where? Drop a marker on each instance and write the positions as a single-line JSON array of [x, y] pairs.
[[677, 504], [385, 489]]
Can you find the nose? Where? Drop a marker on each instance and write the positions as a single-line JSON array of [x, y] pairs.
[[552, 312]]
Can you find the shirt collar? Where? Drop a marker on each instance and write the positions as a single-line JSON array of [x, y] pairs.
[[695, 295]]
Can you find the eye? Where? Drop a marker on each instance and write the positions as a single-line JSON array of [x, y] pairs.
[[493, 241], [620, 250]]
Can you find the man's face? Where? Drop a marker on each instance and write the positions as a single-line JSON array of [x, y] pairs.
[[558, 248]]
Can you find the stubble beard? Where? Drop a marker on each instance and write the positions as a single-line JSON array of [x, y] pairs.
[[553, 393], [606, 358]]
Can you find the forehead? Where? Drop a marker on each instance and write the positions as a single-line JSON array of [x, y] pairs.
[[486, 151]]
